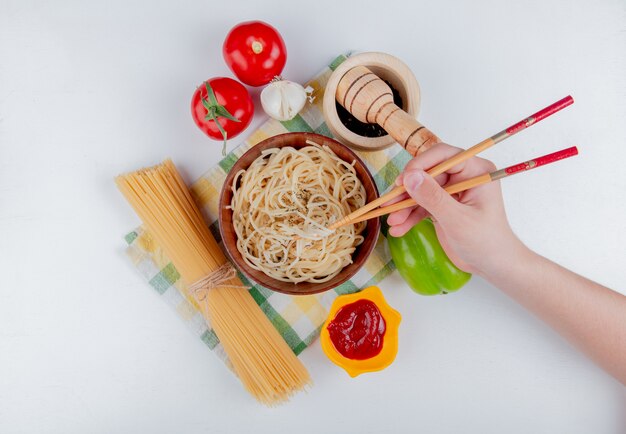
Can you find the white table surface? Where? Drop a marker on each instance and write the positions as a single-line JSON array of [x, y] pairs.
[[92, 89]]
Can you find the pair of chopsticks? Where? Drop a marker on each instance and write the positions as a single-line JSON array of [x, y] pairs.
[[366, 213]]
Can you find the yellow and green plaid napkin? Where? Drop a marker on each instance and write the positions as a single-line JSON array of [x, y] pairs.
[[297, 318]]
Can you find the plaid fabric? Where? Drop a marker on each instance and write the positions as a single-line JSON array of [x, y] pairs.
[[297, 318]]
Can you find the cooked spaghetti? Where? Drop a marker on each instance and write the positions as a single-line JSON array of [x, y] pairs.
[[282, 206], [259, 355]]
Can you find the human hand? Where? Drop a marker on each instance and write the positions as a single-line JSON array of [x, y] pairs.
[[472, 226]]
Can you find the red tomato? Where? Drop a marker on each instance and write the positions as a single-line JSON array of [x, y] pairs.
[[222, 108], [255, 52]]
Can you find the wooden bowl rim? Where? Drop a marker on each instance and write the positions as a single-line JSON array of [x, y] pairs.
[[225, 217], [379, 60]]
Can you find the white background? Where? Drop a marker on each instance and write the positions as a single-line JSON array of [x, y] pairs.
[[90, 90]]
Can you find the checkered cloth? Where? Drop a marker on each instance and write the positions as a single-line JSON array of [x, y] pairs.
[[297, 318]]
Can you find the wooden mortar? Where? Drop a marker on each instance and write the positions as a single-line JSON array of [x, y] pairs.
[[357, 84]]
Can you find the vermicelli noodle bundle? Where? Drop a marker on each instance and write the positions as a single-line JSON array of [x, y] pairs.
[[260, 357], [282, 205]]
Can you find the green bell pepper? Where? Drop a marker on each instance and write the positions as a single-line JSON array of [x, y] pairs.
[[422, 262]]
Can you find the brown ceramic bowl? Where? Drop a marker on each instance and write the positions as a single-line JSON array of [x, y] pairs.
[[229, 237]]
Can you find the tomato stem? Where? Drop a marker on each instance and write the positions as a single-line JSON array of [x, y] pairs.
[[257, 47], [214, 111]]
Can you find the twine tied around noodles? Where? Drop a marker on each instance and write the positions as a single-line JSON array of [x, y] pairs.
[[215, 279]]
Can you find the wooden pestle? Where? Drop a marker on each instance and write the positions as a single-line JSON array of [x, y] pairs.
[[370, 100]]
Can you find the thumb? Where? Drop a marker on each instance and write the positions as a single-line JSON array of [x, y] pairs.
[[429, 195]]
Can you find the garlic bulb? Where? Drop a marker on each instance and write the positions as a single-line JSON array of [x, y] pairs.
[[283, 99]]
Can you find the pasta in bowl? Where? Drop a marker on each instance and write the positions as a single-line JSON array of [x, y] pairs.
[[277, 203]]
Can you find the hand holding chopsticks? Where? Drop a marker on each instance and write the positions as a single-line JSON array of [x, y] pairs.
[[460, 157], [354, 217], [476, 181]]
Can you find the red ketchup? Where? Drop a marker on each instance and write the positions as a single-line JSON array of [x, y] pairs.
[[358, 329]]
